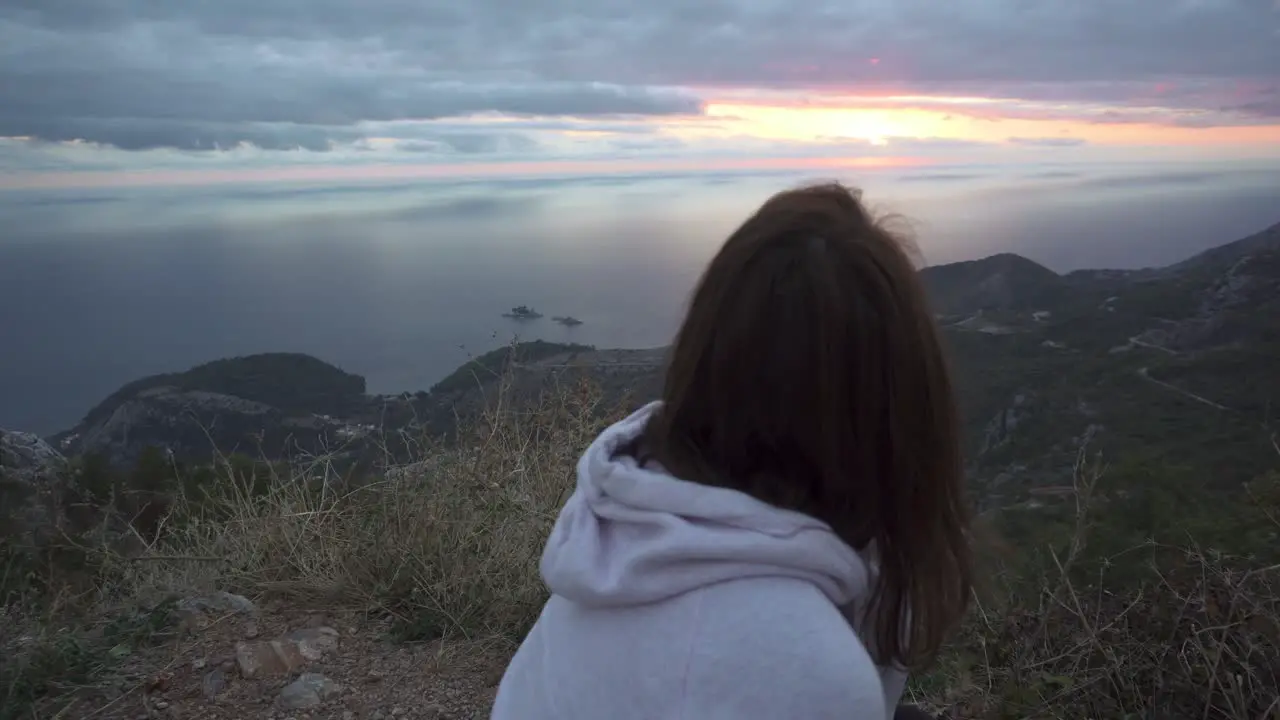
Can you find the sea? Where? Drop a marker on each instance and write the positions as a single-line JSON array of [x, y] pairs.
[[401, 282]]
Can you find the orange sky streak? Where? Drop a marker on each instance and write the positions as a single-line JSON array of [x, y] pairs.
[[966, 121]]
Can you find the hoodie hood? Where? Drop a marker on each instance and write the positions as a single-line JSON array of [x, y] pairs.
[[631, 535]]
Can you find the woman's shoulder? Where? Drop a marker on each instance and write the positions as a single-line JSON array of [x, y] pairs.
[[772, 645]]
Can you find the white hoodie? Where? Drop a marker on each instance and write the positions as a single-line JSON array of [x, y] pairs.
[[672, 599]]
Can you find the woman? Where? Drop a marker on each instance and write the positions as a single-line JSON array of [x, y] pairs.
[[749, 546]]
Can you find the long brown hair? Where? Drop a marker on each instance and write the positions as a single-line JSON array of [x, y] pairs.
[[809, 374]]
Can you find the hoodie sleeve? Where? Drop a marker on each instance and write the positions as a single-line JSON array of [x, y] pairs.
[[762, 661]]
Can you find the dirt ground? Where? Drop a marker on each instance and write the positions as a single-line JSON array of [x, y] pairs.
[[366, 676]]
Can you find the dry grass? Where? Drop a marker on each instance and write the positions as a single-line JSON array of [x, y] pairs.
[[1156, 631], [449, 545]]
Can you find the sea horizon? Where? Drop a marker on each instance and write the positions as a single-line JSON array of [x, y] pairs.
[[403, 281]]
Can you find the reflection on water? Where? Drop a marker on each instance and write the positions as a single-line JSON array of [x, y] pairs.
[[401, 282]]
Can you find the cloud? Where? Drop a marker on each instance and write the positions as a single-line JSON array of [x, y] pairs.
[[755, 41], [283, 74], [1046, 141], [939, 177], [146, 133], [1154, 180], [470, 144], [1052, 175]]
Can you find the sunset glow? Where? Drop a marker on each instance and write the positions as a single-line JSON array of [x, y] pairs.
[[735, 131], [968, 120], [191, 93]]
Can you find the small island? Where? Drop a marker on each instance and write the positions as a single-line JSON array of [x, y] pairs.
[[522, 312], [567, 320]]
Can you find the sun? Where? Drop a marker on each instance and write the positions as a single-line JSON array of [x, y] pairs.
[[873, 126]]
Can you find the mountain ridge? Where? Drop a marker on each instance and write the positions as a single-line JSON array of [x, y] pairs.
[[279, 399], [1002, 281], [1040, 357]]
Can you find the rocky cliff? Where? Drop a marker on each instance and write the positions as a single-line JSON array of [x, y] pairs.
[[32, 478]]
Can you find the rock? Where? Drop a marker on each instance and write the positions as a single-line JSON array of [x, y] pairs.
[[308, 691], [287, 654], [314, 643], [192, 613], [159, 682], [219, 602], [271, 657], [33, 480], [215, 681], [251, 630], [999, 430], [21, 451]]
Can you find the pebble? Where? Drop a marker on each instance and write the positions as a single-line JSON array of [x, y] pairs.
[[276, 657], [314, 642], [215, 681], [309, 690]]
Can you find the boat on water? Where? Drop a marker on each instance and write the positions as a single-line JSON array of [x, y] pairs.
[[567, 320], [522, 312]]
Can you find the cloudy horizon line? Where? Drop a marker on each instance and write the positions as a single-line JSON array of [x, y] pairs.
[[114, 85]]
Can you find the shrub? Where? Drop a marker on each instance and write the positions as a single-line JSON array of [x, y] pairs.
[[1163, 604], [1145, 597]]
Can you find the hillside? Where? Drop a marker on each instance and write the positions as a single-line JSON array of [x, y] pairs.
[[1173, 365], [1223, 256], [1170, 363], [291, 382], [1119, 444], [269, 403], [999, 282]]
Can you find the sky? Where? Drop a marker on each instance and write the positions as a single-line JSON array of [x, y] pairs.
[[159, 93]]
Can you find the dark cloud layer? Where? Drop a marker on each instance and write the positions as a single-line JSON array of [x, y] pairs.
[[302, 73]]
